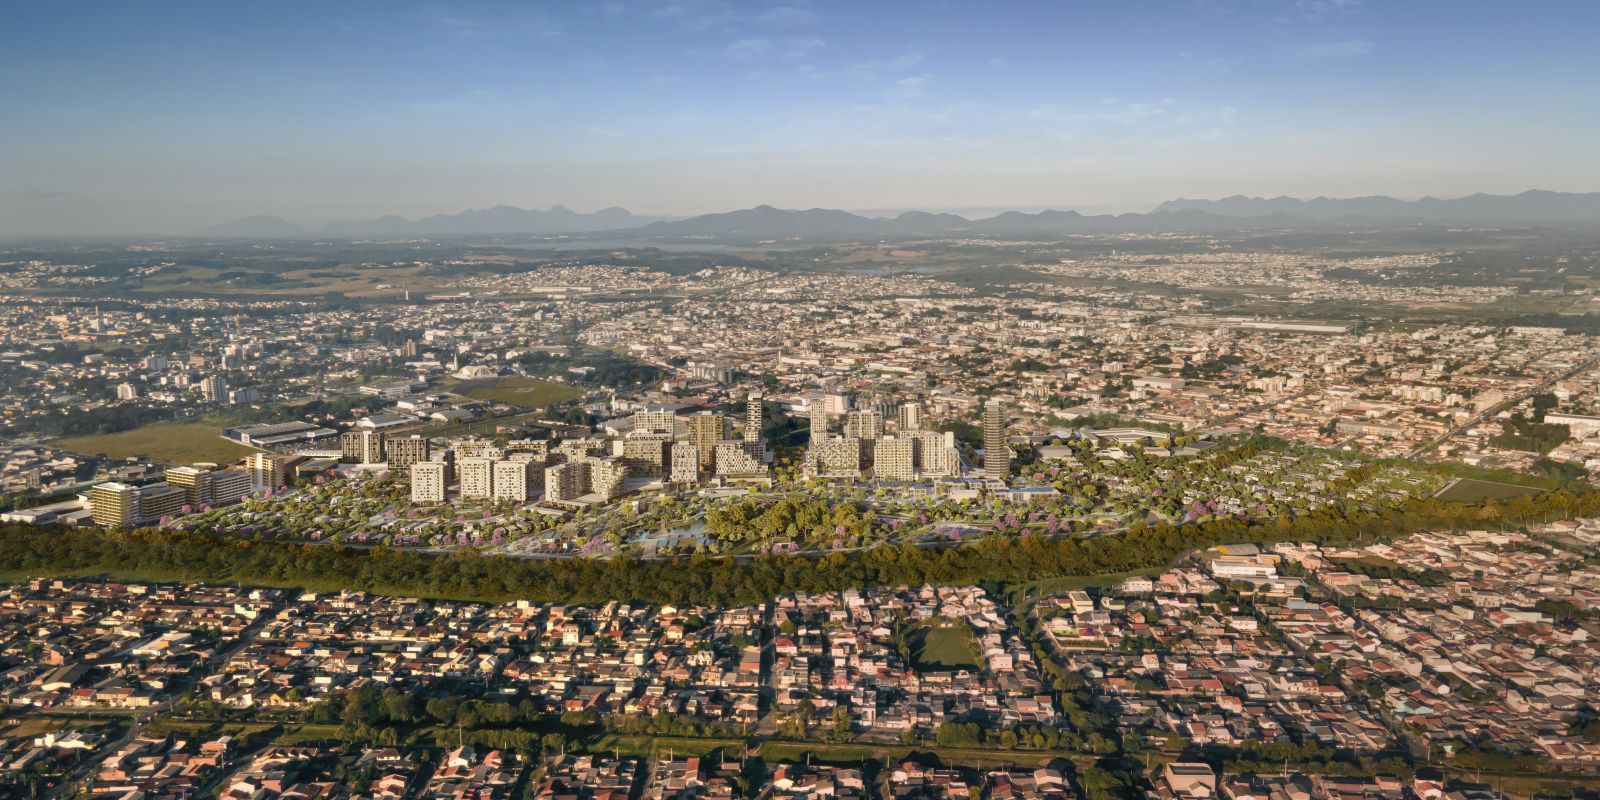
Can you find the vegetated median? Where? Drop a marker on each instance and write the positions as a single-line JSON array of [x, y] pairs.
[[162, 555]]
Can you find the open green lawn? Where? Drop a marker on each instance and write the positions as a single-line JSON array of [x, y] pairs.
[[523, 392], [172, 443], [1472, 490], [937, 648]]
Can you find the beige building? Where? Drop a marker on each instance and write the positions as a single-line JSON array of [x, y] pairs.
[[195, 483], [864, 425], [754, 417], [114, 504], [936, 453], [511, 480], [361, 447], [706, 428], [685, 463], [268, 469], [405, 451], [894, 458], [735, 460], [428, 481], [838, 457], [908, 417], [476, 476], [996, 453], [654, 419]]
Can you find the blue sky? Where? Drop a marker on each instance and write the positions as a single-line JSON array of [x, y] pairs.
[[162, 117]]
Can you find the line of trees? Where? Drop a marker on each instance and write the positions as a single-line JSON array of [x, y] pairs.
[[149, 554]]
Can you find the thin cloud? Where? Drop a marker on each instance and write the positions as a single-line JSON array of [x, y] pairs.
[[1352, 48], [788, 16]]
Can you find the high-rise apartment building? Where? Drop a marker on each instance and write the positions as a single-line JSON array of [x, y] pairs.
[[735, 460], [909, 417], [268, 469], [603, 477], [127, 391], [511, 481], [229, 486], [214, 388], [361, 447], [654, 420], [160, 500], [838, 457], [195, 483], [754, 417], [685, 463], [937, 454], [996, 453], [114, 504], [706, 428], [645, 455], [476, 476], [864, 425], [894, 458], [405, 451], [428, 481], [817, 414]]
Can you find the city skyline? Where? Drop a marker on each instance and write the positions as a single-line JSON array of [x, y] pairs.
[[135, 120]]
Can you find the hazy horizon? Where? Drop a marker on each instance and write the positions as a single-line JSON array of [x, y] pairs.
[[137, 119]]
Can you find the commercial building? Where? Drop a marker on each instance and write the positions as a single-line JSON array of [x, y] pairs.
[[268, 435]]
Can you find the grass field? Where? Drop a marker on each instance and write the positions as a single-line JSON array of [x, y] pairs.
[[175, 444], [523, 392], [936, 648], [1472, 490]]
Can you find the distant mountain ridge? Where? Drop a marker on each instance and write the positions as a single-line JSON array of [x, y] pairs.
[[501, 219], [1534, 206], [1237, 213]]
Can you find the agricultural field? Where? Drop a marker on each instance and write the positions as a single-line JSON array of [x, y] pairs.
[[521, 392], [175, 444]]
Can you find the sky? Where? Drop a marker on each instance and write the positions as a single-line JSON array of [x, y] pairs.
[[165, 117]]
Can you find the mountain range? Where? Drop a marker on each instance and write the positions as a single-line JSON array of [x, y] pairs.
[[1238, 213], [481, 221]]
